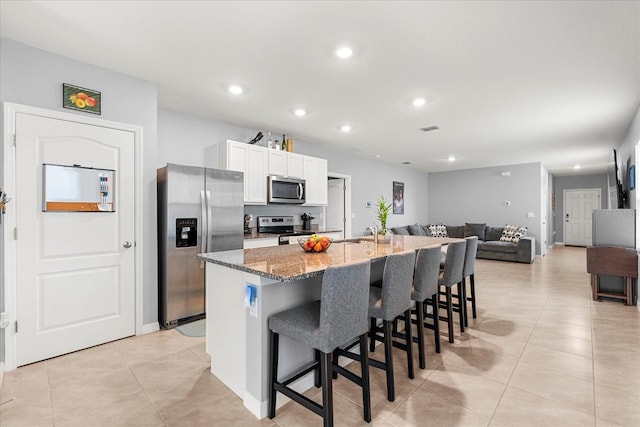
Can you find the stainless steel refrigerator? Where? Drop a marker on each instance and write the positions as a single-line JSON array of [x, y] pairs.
[[199, 210], [614, 227]]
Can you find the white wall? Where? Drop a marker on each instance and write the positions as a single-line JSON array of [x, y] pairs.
[[34, 77], [479, 196]]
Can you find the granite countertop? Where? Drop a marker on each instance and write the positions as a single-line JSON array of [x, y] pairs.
[[289, 262]]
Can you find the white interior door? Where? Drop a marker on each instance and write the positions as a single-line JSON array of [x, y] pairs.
[[578, 205], [335, 212], [75, 271]]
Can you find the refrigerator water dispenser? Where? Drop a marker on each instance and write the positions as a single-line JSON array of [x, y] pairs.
[[186, 232]]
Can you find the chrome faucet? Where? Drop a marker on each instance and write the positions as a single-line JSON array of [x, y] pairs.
[[374, 231]]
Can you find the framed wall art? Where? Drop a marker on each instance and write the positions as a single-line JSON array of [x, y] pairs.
[[398, 198], [81, 99]]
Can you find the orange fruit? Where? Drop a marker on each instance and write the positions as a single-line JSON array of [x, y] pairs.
[[82, 95], [90, 102]]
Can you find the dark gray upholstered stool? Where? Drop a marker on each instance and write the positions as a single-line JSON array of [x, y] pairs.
[[468, 271], [451, 276], [425, 294], [388, 302], [337, 319]]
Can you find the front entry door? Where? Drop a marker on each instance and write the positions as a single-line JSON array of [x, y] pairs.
[[75, 272], [578, 205]]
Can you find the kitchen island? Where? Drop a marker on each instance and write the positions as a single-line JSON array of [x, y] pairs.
[[244, 287]]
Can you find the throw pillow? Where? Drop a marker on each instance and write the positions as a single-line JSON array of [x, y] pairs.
[[400, 230], [512, 234], [416, 230], [426, 230], [474, 230], [438, 230]]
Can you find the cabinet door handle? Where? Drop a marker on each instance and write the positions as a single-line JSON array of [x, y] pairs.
[[127, 244]]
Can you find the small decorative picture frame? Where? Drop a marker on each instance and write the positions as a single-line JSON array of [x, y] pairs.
[[81, 99], [398, 198], [632, 177]]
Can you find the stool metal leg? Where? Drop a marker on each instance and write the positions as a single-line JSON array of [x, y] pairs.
[[420, 324], [449, 313], [364, 371], [388, 358], [273, 372], [462, 305], [472, 286], [407, 331], [327, 389], [436, 320]]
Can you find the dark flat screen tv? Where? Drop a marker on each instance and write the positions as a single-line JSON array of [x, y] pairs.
[[616, 194]]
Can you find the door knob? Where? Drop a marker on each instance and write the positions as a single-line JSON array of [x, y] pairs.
[[127, 244]]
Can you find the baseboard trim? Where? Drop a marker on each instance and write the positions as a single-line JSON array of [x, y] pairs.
[[1, 372], [149, 328]]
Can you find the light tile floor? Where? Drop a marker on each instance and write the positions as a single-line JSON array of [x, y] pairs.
[[540, 353]]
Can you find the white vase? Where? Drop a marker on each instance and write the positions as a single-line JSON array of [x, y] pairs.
[[384, 238]]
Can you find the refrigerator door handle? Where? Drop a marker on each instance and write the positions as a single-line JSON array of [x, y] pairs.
[[204, 229], [209, 216]]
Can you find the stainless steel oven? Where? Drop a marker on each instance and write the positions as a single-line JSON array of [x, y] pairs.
[[286, 190], [282, 225]]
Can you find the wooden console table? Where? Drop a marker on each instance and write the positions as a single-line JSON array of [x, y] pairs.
[[612, 261]]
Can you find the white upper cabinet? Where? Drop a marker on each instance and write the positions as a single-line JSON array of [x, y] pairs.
[[258, 162], [295, 165], [315, 174], [278, 162], [283, 163], [251, 160]]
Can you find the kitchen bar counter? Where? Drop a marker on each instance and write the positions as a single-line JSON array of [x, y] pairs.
[[289, 262], [244, 287]]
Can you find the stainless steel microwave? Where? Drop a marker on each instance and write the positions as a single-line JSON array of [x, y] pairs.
[[286, 190]]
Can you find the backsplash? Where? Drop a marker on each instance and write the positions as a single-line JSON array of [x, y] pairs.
[[295, 211]]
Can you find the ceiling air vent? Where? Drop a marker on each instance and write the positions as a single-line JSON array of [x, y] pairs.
[[429, 128]]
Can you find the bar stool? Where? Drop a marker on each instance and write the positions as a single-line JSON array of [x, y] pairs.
[[338, 318], [391, 300], [451, 276], [425, 294]]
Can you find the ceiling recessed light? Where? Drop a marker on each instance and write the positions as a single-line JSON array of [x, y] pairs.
[[419, 102], [344, 52], [299, 112], [378, 156], [235, 89], [345, 128], [451, 158], [577, 167]]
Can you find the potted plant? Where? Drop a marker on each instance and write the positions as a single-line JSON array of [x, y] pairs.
[[383, 212]]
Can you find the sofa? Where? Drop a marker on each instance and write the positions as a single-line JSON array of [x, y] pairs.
[[508, 243]]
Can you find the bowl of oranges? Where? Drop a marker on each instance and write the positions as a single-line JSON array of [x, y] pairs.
[[314, 243]]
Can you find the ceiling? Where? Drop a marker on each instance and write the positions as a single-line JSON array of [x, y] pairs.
[[556, 82]]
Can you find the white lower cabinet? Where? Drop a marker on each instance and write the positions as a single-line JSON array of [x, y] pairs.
[[260, 243]]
